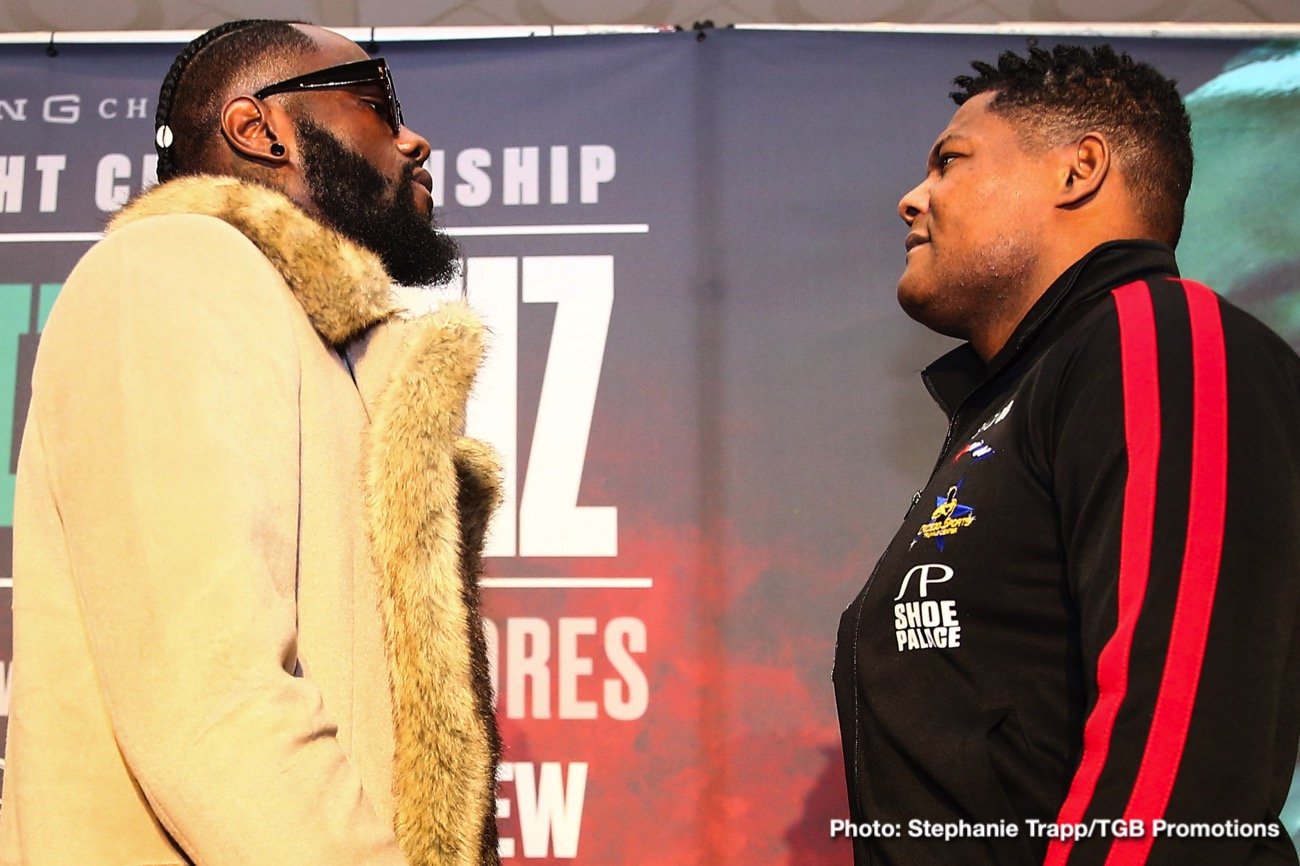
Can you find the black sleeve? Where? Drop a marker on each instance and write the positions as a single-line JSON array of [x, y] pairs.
[[1175, 469]]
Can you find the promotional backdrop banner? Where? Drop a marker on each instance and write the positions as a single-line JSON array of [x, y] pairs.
[[686, 247]]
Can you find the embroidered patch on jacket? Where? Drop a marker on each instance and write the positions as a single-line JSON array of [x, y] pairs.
[[978, 450], [948, 518]]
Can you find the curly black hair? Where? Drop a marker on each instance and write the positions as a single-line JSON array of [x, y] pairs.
[[1069, 90], [191, 98]]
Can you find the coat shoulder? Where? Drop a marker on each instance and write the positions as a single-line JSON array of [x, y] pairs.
[[164, 271]]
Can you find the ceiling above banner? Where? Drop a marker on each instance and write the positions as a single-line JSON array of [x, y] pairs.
[[65, 15]]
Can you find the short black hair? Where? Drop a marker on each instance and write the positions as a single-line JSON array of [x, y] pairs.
[[1071, 89], [190, 102]]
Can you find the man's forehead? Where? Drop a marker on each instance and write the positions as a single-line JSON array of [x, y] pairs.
[[330, 49], [970, 117]]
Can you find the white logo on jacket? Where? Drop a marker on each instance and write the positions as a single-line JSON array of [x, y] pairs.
[[926, 623], [996, 419]]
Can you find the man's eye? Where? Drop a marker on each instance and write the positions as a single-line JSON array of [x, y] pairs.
[[944, 160], [378, 105]]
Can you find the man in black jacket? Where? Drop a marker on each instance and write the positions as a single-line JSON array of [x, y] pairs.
[[1081, 646]]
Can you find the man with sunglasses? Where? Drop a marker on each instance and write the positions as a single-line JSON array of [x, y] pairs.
[[247, 527]]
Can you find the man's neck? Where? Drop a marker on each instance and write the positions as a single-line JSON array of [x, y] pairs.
[[1049, 266]]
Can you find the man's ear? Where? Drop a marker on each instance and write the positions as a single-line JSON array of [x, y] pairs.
[[249, 127], [1086, 166]]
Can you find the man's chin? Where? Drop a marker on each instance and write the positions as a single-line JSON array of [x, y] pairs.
[[913, 296], [925, 307], [427, 257]]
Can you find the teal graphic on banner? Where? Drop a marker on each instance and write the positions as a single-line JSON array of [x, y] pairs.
[[24, 307]]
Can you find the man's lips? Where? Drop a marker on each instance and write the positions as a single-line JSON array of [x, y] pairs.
[[424, 179], [423, 182], [915, 240]]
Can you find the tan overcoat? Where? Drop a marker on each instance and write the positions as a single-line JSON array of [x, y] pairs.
[[247, 537]]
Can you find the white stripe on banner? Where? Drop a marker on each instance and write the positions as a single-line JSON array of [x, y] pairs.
[[527, 582], [568, 582], [592, 229], [356, 34], [1175, 29], [50, 237], [455, 231]]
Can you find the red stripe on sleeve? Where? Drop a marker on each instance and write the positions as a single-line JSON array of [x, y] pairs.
[[1141, 394], [1199, 578]]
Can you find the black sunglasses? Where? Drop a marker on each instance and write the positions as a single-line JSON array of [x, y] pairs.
[[357, 73]]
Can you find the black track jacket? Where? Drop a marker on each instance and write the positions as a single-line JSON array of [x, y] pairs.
[[1089, 613]]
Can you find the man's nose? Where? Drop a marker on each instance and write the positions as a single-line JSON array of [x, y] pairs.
[[414, 145], [915, 202]]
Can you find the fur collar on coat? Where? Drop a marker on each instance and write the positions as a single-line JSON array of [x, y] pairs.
[[429, 493]]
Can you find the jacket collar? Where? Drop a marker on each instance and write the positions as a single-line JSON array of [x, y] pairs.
[[341, 286], [955, 376]]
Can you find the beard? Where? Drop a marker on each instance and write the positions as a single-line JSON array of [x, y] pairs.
[[357, 201]]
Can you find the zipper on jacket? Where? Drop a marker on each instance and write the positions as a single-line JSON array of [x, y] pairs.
[[947, 443], [858, 697], [862, 604]]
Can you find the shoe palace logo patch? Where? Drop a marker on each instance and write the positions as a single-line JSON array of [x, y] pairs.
[[948, 518], [926, 623]]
